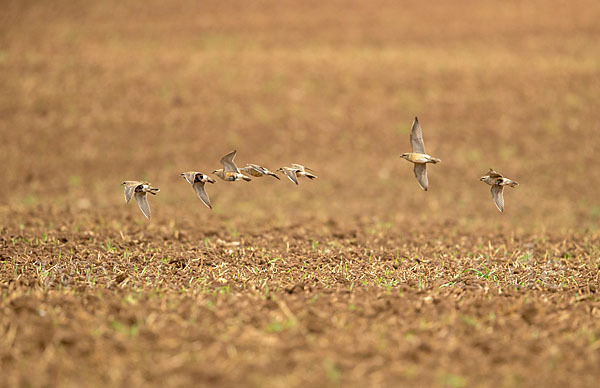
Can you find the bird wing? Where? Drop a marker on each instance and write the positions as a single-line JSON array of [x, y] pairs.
[[498, 196], [494, 174], [292, 175], [251, 171], [421, 174], [199, 188], [416, 138], [302, 168], [129, 189], [190, 177], [228, 164], [258, 168], [142, 202]]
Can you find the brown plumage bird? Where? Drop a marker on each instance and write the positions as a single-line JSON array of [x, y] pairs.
[[296, 171], [419, 157], [257, 171], [139, 189], [198, 180], [497, 181], [230, 172]]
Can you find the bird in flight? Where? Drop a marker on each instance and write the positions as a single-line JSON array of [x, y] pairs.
[[197, 180], [139, 189], [296, 171], [230, 172], [497, 181], [418, 156], [257, 171]]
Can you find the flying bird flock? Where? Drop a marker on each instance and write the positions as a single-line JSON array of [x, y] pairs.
[[231, 173]]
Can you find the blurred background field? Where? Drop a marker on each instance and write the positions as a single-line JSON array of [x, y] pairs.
[[97, 92], [357, 278]]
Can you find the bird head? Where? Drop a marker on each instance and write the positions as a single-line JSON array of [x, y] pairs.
[[404, 155], [483, 178]]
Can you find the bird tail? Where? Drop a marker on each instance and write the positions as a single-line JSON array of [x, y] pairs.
[[153, 190], [435, 160], [513, 183], [247, 179], [311, 176], [211, 180]]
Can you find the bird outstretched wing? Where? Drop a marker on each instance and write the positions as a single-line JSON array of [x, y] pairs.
[[129, 189], [228, 163], [199, 188], [291, 174], [416, 138], [142, 202], [421, 175], [498, 196]]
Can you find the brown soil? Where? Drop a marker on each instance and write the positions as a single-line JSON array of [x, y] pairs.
[[358, 278]]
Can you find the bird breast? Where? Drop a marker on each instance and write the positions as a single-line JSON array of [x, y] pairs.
[[230, 176], [418, 158]]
